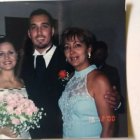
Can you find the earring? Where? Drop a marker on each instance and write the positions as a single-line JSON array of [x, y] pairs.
[[66, 60], [89, 55]]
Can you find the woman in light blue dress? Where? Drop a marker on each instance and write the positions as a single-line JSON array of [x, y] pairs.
[[85, 113]]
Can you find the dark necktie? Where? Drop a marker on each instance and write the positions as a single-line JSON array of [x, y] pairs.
[[40, 66]]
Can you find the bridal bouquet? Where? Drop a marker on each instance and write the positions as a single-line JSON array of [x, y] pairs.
[[19, 113]]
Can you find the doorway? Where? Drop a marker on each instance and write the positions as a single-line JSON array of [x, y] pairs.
[[16, 29]]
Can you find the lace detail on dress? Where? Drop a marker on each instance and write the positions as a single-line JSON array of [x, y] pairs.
[[14, 90], [78, 108]]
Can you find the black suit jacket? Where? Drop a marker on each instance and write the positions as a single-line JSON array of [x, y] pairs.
[[113, 75], [45, 93]]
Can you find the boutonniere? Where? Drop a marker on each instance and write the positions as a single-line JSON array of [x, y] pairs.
[[63, 75]]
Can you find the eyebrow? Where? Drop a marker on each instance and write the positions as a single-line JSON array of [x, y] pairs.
[[41, 23]]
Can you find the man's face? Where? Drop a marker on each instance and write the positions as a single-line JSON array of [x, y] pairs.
[[40, 32], [99, 56]]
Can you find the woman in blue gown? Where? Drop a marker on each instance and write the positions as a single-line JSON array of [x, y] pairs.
[[85, 113]]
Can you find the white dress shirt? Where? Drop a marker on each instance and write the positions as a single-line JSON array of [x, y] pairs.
[[47, 56]]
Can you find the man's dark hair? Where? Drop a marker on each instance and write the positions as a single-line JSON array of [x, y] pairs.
[[101, 45], [42, 12]]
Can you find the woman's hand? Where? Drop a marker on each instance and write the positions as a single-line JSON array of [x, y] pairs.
[[113, 98], [8, 132]]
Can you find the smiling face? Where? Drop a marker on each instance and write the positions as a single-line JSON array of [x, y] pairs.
[[76, 53], [8, 56], [40, 32]]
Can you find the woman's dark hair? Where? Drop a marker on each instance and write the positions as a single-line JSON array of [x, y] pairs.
[[5, 39], [84, 36]]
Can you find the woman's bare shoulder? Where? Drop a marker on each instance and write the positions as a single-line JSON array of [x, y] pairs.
[[98, 79], [97, 75]]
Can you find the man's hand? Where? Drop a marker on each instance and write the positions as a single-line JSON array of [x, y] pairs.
[[113, 98]]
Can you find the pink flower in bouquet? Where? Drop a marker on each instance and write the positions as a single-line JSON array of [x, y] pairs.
[[29, 111], [11, 103], [32, 106], [18, 111], [15, 121], [1, 98], [29, 107], [10, 109]]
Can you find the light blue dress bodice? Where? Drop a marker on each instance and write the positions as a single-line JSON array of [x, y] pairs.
[[80, 117]]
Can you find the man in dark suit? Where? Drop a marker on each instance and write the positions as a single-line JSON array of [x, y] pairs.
[[44, 88], [99, 58]]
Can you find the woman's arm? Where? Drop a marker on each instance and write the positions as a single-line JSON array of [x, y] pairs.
[[99, 84], [8, 132]]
